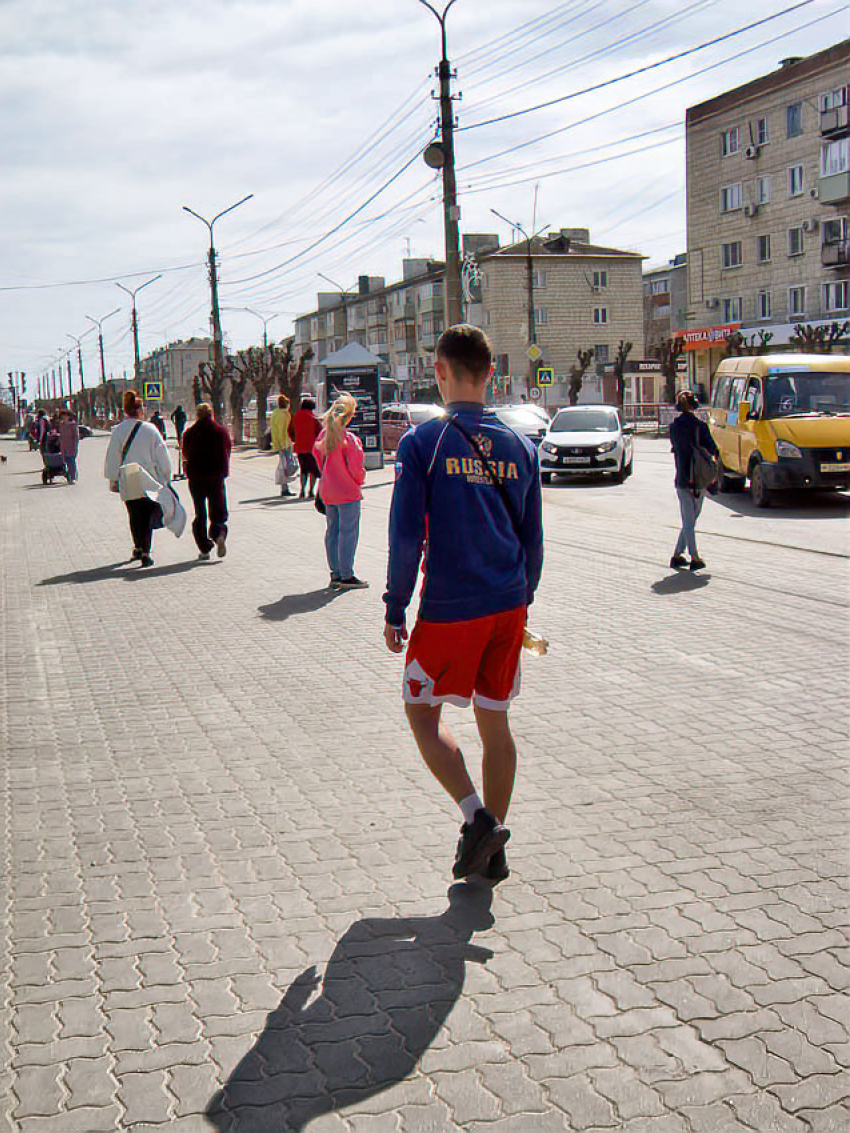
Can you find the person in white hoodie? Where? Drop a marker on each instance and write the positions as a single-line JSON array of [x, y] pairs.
[[136, 441]]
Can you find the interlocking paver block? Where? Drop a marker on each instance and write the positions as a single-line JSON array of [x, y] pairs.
[[89, 1082], [629, 1095], [584, 1106]]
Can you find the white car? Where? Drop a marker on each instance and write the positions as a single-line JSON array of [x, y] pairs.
[[587, 440]]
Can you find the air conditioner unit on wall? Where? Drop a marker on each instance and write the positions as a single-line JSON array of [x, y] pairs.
[[750, 210], [810, 225], [751, 151], [814, 193]]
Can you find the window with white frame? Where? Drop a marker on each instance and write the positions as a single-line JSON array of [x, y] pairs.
[[835, 295], [541, 316], [763, 304], [732, 255], [795, 181], [600, 316], [832, 99], [796, 302], [733, 309], [794, 120], [660, 286], [731, 197], [730, 141], [762, 132], [835, 157], [600, 280], [763, 190], [539, 277], [763, 249], [795, 241], [834, 230], [600, 352]]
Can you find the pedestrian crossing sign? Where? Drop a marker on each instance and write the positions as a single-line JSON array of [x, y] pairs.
[[545, 376], [152, 391]]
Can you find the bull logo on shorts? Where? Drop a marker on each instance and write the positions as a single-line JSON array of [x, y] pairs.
[[416, 687]]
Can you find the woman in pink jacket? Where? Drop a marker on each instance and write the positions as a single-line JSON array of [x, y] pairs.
[[340, 458]]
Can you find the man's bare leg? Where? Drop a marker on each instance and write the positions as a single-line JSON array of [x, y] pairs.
[[499, 762], [439, 749]]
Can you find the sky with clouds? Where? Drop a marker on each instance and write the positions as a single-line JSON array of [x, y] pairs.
[[116, 113]]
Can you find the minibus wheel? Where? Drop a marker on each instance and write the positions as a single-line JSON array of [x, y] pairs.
[[761, 494]]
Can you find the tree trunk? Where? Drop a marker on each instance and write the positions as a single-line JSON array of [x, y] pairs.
[[262, 409]]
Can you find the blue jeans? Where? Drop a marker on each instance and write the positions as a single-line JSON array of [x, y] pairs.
[[690, 506], [341, 537]]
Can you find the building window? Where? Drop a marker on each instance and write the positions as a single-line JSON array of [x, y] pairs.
[[732, 310], [795, 241], [730, 141], [835, 296], [732, 255], [762, 132], [600, 315], [763, 304], [486, 318], [835, 157], [763, 190], [794, 120], [796, 302], [795, 181], [832, 99], [834, 230], [541, 316], [731, 197], [660, 286], [600, 281], [764, 249], [600, 352], [539, 277]]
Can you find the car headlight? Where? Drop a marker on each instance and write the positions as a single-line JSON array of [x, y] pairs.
[[548, 448], [607, 446], [785, 448]]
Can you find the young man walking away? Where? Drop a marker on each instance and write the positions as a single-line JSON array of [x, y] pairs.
[[467, 492], [206, 455], [686, 433]]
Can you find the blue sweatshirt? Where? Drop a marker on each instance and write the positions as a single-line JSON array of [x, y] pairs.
[[475, 562]]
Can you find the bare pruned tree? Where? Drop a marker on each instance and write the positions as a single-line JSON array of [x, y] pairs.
[[624, 349], [207, 384], [577, 371], [819, 339], [669, 352], [238, 380]]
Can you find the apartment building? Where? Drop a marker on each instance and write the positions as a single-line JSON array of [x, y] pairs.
[[665, 301], [176, 365], [768, 197]]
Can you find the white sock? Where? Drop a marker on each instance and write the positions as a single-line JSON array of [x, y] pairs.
[[469, 806]]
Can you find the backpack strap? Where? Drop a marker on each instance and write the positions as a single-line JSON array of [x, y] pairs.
[[129, 441], [491, 472]]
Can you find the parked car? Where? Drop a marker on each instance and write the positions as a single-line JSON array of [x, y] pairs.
[[398, 417], [524, 419], [782, 421], [587, 440]]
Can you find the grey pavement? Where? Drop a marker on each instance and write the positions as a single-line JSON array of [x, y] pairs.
[[227, 900]]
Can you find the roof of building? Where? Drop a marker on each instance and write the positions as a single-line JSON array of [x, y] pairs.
[[784, 76], [559, 246], [352, 354]]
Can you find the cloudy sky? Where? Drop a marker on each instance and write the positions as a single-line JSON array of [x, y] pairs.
[[115, 113]]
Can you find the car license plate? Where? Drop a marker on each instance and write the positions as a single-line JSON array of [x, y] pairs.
[[835, 467], [576, 459]]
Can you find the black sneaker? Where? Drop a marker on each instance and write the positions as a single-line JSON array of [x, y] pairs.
[[478, 842], [137, 554], [497, 868], [697, 563], [678, 562], [352, 584], [145, 561], [335, 582]]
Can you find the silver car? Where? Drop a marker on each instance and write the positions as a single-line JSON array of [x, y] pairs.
[[587, 440]]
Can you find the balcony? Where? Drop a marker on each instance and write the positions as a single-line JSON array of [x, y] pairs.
[[834, 189], [835, 255], [835, 123]]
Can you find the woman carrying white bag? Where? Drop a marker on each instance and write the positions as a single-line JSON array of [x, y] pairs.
[[138, 467], [287, 465]]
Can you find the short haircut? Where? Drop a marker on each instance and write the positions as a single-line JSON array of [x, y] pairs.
[[282, 401], [467, 351], [308, 403], [204, 409], [132, 403]]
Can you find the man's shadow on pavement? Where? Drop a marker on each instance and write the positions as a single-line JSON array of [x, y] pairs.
[[126, 570], [293, 604], [386, 992], [680, 582]]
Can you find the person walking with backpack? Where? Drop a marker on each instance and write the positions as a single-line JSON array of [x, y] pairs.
[[688, 435], [339, 455], [467, 491], [135, 441], [206, 456]]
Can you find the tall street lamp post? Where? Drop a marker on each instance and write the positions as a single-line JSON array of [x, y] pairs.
[[99, 324], [533, 362], [344, 293], [215, 316], [264, 319], [443, 155], [134, 321]]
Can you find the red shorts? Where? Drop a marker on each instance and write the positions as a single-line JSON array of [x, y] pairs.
[[449, 662]]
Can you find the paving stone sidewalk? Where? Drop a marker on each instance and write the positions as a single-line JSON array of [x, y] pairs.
[[226, 870]]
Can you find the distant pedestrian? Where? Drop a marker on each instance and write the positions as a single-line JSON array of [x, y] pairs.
[[339, 455], [304, 431], [135, 441], [69, 437], [206, 455], [178, 419], [41, 428], [281, 442], [158, 420], [687, 433]]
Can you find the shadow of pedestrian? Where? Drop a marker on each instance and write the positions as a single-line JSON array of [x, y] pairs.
[[96, 574], [386, 992], [274, 501], [161, 572], [680, 582], [294, 604]]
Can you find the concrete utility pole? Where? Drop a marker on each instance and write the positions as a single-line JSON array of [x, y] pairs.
[[99, 324], [134, 321], [70, 383], [533, 363], [446, 159], [215, 316], [79, 342]]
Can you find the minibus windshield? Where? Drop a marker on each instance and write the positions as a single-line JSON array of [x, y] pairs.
[[801, 393]]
